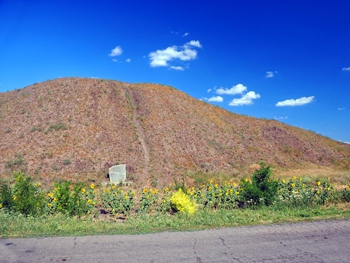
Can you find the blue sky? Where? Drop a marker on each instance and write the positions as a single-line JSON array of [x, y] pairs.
[[283, 60]]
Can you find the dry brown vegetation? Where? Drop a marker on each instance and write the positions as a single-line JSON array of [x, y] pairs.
[[78, 127]]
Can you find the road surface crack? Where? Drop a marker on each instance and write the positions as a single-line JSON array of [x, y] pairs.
[[198, 259], [228, 249]]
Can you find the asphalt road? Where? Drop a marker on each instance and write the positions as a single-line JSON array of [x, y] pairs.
[[321, 241]]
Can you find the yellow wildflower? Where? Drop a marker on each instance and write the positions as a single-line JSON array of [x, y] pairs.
[[145, 190], [234, 184], [166, 189], [294, 178], [300, 178], [216, 186], [318, 192], [126, 197], [49, 204], [14, 198], [83, 190], [147, 196], [114, 187], [237, 193], [246, 180], [0, 206], [89, 201], [50, 195], [92, 186], [293, 185], [55, 199], [329, 178], [283, 181], [318, 183]]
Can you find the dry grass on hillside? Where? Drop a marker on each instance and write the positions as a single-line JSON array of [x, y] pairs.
[[77, 128]]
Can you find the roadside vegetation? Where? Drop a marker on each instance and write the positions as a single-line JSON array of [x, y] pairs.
[[27, 209]]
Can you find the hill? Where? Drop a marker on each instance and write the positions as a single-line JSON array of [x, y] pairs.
[[79, 127]]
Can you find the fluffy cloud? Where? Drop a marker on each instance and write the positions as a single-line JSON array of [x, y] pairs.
[[161, 58], [238, 89], [270, 74], [247, 99], [128, 60], [185, 35], [346, 69], [216, 99], [177, 67], [194, 43], [281, 118], [297, 102], [341, 108], [116, 51]]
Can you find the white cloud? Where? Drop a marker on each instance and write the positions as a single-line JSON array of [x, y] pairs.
[[177, 67], [341, 108], [247, 99], [194, 43], [209, 90], [270, 74], [346, 69], [115, 60], [116, 51], [281, 118], [128, 60], [185, 35], [216, 99], [161, 58], [297, 102], [238, 89]]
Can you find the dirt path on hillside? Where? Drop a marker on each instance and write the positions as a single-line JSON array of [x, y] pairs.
[[141, 136]]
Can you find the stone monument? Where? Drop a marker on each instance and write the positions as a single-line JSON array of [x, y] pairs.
[[117, 173]]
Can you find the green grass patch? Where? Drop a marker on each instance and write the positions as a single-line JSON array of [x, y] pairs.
[[14, 225]]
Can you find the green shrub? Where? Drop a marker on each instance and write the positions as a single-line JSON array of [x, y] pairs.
[[27, 197], [261, 191], [6, 197], [181, 202], [71, 200], [346, 194], [148, 200], [116, 201]]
